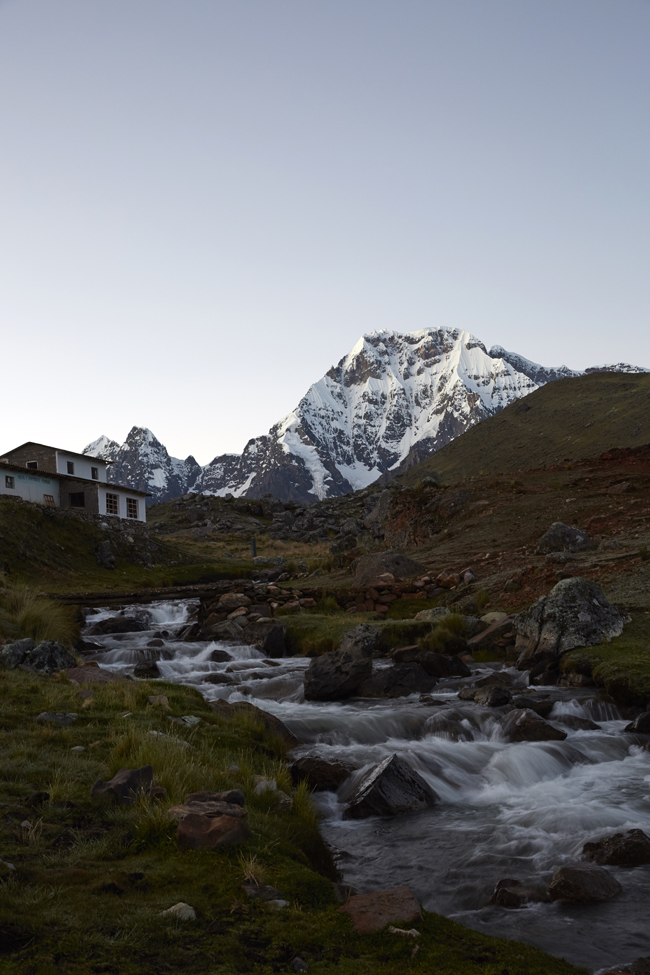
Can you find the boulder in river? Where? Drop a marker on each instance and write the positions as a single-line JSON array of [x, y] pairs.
[[390, 788], [400, 680], [270, 638], [564, 538], [513, 894], [641, 724], [439, 665], [492, 696], [336, 676], [582, 883], [525, 725], [541, 706], [146, 670], [574, 614], [448, 724], [372, 912], [631, 849], [321, 776], [363, 640]]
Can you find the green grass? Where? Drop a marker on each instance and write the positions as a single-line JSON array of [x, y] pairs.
[[622, 667], [562, 421], [24, 613], [91, 880]]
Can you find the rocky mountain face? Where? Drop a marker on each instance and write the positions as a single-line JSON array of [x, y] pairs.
[[394, 396]]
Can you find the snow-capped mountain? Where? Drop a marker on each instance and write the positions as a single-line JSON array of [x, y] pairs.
[[392, 394]]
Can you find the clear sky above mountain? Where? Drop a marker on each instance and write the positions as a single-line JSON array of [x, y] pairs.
[[205, 204]]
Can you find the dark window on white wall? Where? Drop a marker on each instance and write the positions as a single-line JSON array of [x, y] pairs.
[[131, 508], [32, 464], [112, 504], [9, 481], [94, 473], [70, 467], [77, 500]]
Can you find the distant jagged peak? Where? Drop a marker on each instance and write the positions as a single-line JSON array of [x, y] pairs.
[[618, 367], [103, 448]]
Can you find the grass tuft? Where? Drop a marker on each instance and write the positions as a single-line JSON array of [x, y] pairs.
[[24, 613]]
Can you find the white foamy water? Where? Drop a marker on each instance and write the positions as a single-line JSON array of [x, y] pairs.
[[505, 810]]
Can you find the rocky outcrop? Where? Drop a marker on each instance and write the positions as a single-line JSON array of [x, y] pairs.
[[574, 614], [631, 849], [336, 676], [527, 726], [372, 912], [45, 658], [125, 786], [582, 884], [564, 538], [390, 788]]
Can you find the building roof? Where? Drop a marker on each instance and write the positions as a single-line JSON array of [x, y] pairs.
[[73, 453], [38, 472]]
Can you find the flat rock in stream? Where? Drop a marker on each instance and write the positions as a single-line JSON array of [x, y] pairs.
[[119, 624], [631, 849], [583, 883], [525, 725], [513, 894], [390, 788], [640, 724]]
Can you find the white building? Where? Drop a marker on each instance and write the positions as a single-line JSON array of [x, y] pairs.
[[65, 479]]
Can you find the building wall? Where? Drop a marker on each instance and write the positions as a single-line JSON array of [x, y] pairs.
[[90, 491], [122, 495], [82, 465], [29, 487], [45, 457]]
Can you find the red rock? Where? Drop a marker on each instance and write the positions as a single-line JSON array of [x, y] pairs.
[[380, 608], [372, 912], [307, 601], [198, 832]]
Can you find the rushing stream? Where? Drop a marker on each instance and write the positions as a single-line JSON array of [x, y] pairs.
[[506, 810]]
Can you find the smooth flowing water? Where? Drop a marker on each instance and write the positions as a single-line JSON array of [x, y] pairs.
[[505, 810]]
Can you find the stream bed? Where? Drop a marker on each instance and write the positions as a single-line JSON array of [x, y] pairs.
[[505, 810]]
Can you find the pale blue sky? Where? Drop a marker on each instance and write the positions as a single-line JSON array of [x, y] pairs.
[[204, 203]]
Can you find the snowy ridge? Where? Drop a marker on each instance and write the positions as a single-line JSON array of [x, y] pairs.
[[391, 393]]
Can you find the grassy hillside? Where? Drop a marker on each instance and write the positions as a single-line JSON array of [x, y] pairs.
[[561, 422]]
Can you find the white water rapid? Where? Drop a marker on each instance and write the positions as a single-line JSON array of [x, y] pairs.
[[506, 810]]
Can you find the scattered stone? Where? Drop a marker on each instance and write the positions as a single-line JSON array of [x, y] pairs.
[[574, 614], [126, 785], [159, 700], [261, 892], [631, 849], [336, 676], [391, 787], [187, 720], [370, 568], [581, 884], [118, 624], [78, 748], [564, 538], [640, 724], [410, 933], [199, 832], [68, 717], [212, 808], [298, 965], [321, 776], [180, 912], [92, 675], [513, 894], [372, 912], [525, 725]]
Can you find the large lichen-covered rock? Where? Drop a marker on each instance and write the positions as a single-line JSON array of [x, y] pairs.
[[45, 658], [564, 538], [582, 883], [574, 614]]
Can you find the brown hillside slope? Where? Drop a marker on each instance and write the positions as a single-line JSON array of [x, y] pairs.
[[563, 421]]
